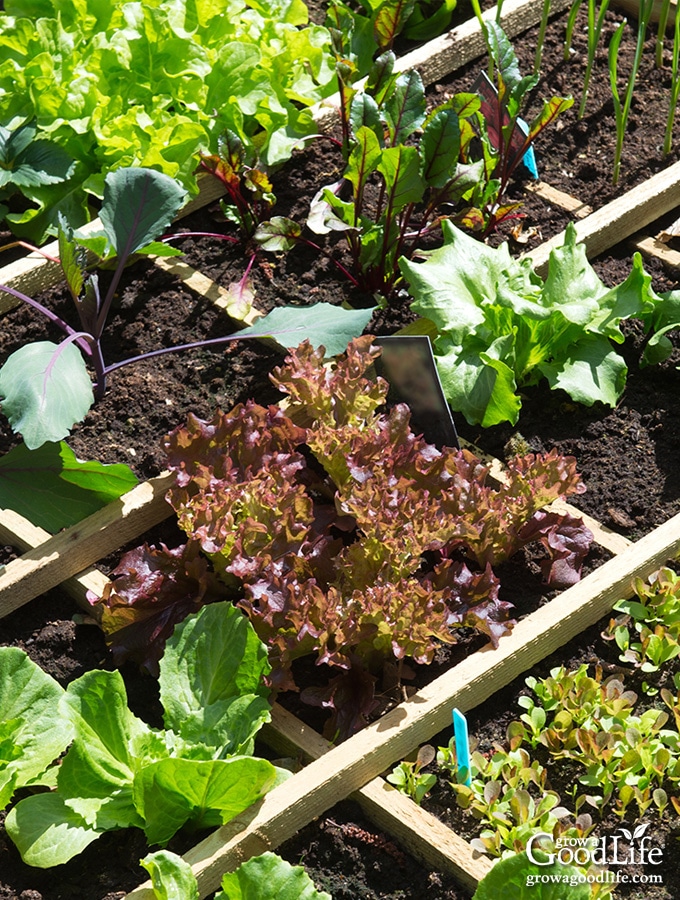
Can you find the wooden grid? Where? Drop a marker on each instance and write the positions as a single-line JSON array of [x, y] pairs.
[[353, 768]]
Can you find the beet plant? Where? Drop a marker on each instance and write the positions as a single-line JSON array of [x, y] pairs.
[[407, 169], [341, 533]]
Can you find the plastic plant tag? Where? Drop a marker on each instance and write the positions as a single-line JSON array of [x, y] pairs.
[[460, 734], [407, 362], [490, 109]]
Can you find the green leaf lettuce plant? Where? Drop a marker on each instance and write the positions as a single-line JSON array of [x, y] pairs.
[[264, 877], [117, 771], [154, 84], [498, 327]]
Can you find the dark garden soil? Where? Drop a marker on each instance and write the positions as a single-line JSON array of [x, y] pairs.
[[628, 456]]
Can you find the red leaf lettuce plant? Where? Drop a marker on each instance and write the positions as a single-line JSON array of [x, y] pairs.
[[340, 532]]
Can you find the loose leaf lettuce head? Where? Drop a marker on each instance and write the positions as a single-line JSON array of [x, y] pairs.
[[120, 773], [341, 532], [498, 327]]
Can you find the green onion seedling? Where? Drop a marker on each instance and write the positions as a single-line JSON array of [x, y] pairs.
[[661, 32], [595, 23], [621, 110], [541, 36], [571, 22], [675, 87]]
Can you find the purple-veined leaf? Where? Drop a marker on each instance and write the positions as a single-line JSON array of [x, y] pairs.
[[278, 234], [364, 158], [504, 57], [364, 112], [404, 108], [389, 20], [45, 389], [440, 147], [380, 80], [239, 300], [400, 167], [138, 205], [551, 109]]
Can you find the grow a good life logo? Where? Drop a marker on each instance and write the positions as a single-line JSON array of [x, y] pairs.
[[604, 859]]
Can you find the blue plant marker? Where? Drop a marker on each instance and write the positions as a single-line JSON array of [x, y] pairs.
[[460, 733], [529, 158]]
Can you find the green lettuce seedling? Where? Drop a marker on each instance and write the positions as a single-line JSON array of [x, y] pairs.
[[410, 780], [118, 772]]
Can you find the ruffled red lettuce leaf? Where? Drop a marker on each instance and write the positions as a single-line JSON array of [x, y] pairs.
[[152, 590], [472, 599], [350, 696], [236, 491], [567, 541]]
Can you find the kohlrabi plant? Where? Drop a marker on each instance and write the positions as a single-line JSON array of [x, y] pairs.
[[340, 532], [265, 877], [45, 387], [497, 326], [117, 771]]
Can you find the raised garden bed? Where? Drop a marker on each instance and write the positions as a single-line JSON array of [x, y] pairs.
[[638, 439]]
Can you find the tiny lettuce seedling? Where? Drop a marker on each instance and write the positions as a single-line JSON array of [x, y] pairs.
[[410, 780], [654, 617], [118, 772]]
